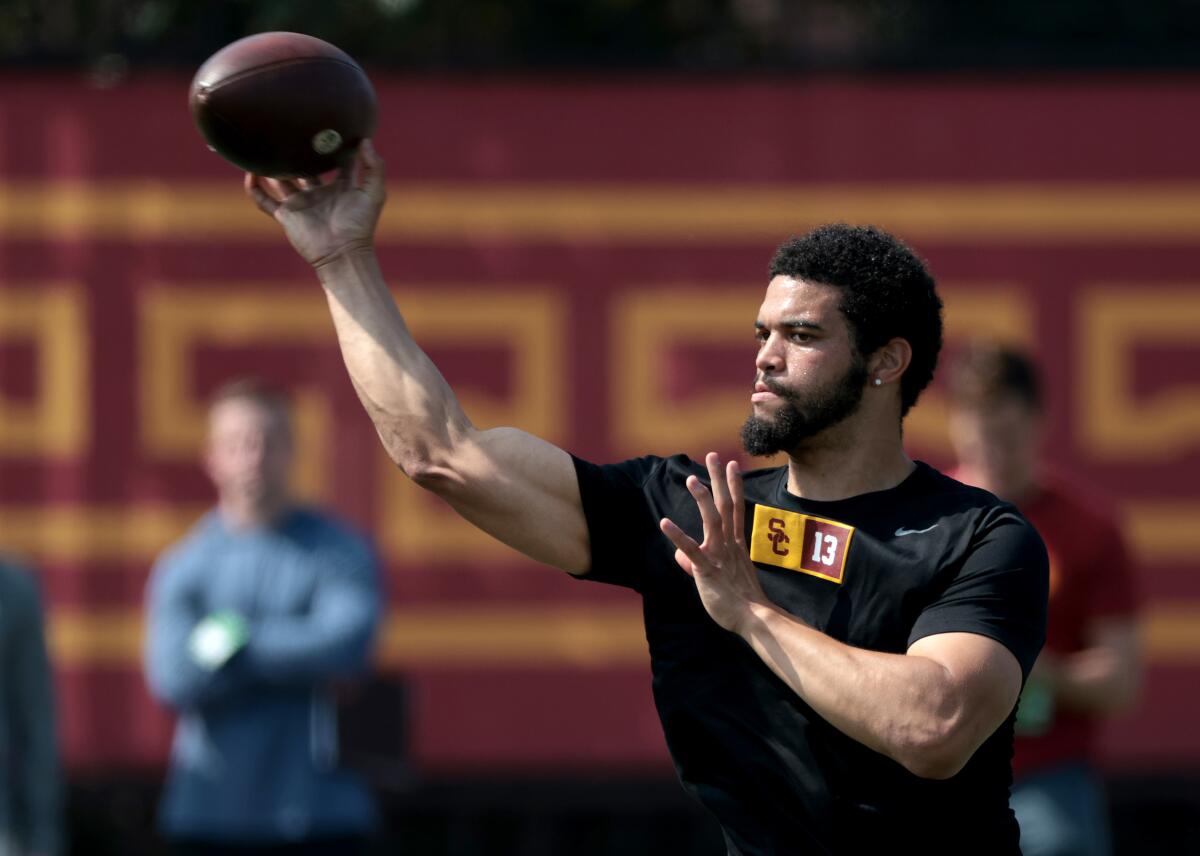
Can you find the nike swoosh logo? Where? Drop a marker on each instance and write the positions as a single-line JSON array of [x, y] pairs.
[[901, 532]]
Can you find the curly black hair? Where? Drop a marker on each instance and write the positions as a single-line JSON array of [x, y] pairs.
[[887, 292]]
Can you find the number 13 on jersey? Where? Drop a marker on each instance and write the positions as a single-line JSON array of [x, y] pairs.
[[800, 542]]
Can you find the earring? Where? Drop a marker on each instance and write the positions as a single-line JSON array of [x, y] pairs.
[[878, 382]]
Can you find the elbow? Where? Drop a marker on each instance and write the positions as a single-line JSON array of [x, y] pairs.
[[176, 684], [427, 455], [432, 474], [935, 762], [938, 748], [352, 659], [429, 465], [441, 472]]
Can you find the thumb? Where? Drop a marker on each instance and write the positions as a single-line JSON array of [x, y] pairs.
[[685, 563]]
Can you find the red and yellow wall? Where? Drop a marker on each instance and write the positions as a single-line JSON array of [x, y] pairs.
[[583, 259]]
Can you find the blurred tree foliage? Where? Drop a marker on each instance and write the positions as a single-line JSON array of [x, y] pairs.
[[718, 35]]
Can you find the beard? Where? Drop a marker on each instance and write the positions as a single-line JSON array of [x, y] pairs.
[[804, 415]]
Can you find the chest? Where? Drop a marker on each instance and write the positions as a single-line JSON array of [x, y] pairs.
[[861, 581], [261, 575], [862, 585]]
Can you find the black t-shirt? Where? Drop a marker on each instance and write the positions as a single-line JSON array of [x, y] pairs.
[[877, 571]]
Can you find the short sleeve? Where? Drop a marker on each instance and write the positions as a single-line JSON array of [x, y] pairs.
[[999, 591], [622, 526]]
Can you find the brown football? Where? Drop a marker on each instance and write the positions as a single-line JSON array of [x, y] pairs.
[[283, 105]]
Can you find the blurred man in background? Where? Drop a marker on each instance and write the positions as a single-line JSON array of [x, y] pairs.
[[254, 620], [1089, 667], [30, 796]]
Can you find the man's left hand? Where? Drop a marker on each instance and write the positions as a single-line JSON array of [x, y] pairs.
[[726, 579]]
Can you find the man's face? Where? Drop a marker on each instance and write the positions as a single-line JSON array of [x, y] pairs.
[[249, 451], [810, 375], [998, 443]]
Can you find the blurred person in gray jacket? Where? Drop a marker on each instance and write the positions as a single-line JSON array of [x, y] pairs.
[[30, 785], [254, 620]]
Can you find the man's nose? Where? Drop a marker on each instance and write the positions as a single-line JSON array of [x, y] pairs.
[[770, 358], [254, 453]]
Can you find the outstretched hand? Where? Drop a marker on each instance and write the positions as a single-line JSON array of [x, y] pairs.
[[726, 579], [325, 221]]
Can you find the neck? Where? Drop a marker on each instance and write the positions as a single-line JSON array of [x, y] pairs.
[[845, 462], [241, 513]]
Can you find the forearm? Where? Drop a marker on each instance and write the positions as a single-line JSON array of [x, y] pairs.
[[1094, 681], [415, 412], [182, 684], [294, 651], [172, 673], [899, 705]]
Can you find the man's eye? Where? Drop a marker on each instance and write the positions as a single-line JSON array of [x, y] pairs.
[[801, 337]]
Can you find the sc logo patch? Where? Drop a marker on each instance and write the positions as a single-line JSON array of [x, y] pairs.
[[800, 542]]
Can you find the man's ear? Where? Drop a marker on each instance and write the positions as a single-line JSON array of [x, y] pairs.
[[890, 361]]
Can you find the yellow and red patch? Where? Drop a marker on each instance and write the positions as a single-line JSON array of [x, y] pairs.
[[800, 542]]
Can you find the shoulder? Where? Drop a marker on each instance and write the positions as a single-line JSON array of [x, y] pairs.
[[678, 467], [760, 485], [17, 582], [327, 531], [933, 481], [977, 514], [194, 546], [933, 485], [637, 470], [668, 476], [634, 473]]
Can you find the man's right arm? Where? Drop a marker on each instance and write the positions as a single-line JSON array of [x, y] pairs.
[[514, 486]]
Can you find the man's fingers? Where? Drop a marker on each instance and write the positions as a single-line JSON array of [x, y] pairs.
[[685, 545], [309, 182], [713, 528], [265, 203], [280, 188], [373, 172], [720, 490], [346, 172], [733, 476]]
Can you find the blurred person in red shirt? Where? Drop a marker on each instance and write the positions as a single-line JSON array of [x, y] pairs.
[[1089, 667]]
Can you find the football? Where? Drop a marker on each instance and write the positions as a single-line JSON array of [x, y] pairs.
[[283, 105]]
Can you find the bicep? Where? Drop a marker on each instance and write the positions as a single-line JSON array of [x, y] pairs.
[[521, 490], [984, 675]]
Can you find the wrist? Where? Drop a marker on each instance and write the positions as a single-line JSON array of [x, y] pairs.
[[346, 254], [756, 617], [214, 641]]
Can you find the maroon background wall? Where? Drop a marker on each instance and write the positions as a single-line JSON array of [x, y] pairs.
[[583, 260]]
